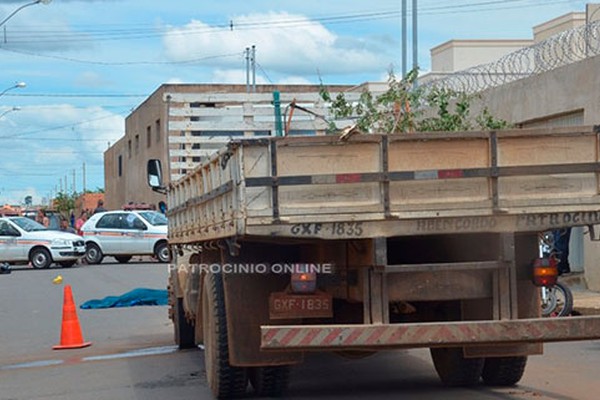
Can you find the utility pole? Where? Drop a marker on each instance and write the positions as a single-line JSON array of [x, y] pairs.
[[74, 181], [415, 39], [254, 68], [404, 39], [247, 70], [83, 175]]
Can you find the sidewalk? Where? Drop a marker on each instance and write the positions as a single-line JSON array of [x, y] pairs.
[[585, 302]]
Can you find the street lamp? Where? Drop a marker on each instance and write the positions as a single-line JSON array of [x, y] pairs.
[[15, 86], [9, 110], [22, 7]]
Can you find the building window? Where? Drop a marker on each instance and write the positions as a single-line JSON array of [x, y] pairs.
[[120, 165], [157, 129], [137, 144], [148, 137], [129, 148]]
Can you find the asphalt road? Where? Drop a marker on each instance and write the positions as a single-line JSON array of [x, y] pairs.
[[133, 357]]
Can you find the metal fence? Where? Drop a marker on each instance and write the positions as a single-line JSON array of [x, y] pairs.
[[559, 50]]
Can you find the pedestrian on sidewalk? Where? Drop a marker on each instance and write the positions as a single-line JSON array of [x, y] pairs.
[[562, 237]]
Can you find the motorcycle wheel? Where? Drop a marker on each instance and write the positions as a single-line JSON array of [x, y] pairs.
[[559, 302]]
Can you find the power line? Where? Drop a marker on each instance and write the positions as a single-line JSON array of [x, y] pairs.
[[16, 135], [264, 73], [121, 63], [78, 95], [146, 33]]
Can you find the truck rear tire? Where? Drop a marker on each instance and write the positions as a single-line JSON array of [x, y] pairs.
[[184, 330], [454, 369], [270, 381], [503, 371], [224, 380]]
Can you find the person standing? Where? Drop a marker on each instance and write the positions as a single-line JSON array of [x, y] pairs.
[[100, 207], [42, 218], [80, 221], [562, 237]]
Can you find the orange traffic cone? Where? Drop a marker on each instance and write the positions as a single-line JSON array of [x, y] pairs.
[[70, 336]]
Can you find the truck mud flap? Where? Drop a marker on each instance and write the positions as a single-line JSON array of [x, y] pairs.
[[439, 334]]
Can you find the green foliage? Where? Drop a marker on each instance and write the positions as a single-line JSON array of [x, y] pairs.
[[406, 108], [64, 202], [97, 190]]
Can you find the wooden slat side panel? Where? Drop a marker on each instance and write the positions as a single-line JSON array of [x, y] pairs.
[[323, 199], [567, 188], [513, 151], [465, 193], [419, 155], [343, 158], [217, 215]]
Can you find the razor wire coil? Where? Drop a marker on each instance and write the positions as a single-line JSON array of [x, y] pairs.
[[562, 49]]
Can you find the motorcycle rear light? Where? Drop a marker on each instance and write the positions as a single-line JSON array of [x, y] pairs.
[[303, 281], [545, 272]]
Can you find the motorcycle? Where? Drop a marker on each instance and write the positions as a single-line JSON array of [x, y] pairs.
[[556, 297]]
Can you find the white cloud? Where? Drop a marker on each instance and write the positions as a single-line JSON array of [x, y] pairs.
[[294, 80], [90, 79], [236, 76], [46, 143], [300, 48], [17, 196]]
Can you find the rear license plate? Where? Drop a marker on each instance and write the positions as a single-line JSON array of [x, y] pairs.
[[284, 305]]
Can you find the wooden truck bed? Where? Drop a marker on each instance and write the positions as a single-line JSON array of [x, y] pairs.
[[388, 185]]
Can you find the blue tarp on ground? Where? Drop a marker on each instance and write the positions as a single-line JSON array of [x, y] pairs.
[[137, 297]]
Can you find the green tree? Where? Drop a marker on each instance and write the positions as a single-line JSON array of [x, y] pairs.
[[65, 203], [404, 108]]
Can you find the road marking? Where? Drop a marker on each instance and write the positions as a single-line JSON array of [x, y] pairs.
[[33, 364], [150, 351]]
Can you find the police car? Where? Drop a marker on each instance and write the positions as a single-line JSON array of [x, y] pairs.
[[123, 234], [23, 240]]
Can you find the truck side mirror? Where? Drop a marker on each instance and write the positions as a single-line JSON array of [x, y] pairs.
[[154, 173]]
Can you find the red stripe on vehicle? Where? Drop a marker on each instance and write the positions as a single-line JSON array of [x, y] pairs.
[[353, 336], [335, 332], [348, 178], [309, 337], [289, 336], [271, 333], [450, 173], [376, 335]]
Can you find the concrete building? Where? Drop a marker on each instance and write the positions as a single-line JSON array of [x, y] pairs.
[[182, 124], [461, 54]]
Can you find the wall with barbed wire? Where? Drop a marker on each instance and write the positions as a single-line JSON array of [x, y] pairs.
[[559, 50]]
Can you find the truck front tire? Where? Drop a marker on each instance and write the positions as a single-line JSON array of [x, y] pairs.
[[224, 380], [184, 330]]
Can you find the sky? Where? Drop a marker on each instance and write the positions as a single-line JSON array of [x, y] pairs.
[[86, 64]]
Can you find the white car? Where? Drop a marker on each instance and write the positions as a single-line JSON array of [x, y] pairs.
[[123, 234], [23, 240]]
